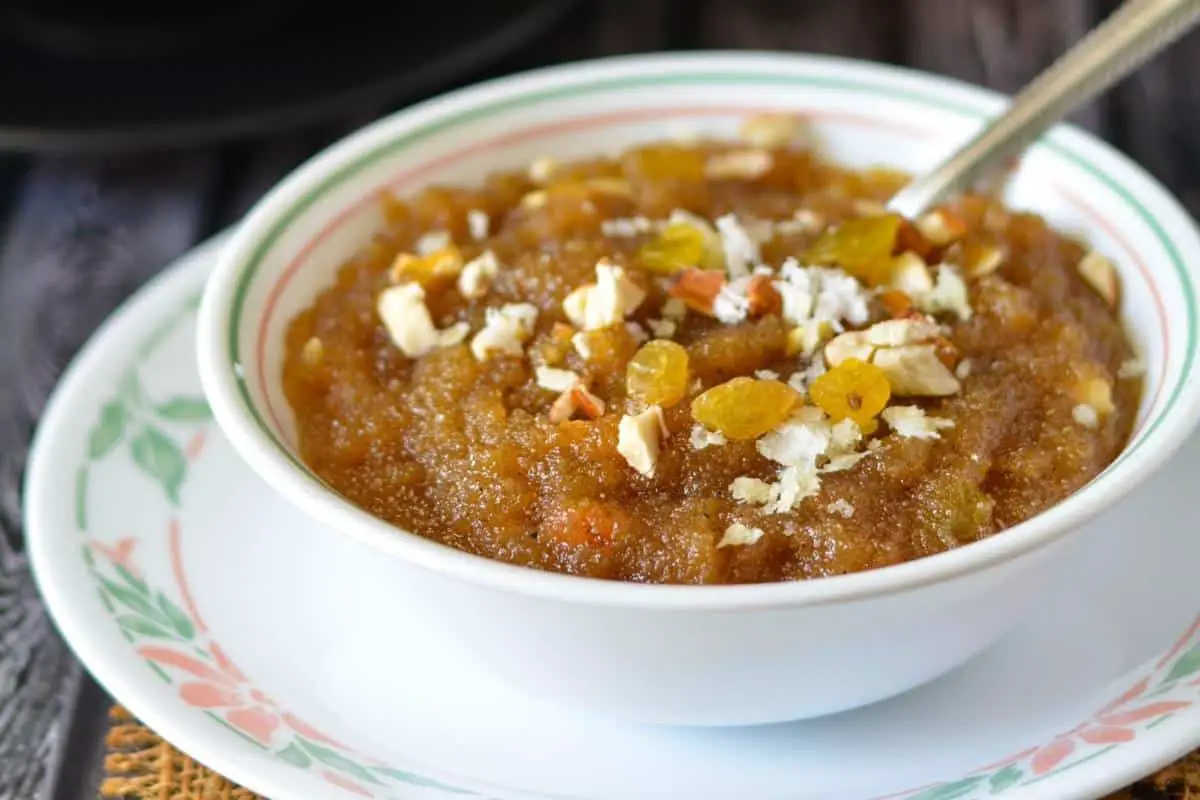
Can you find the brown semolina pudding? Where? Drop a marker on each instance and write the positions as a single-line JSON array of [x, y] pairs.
[[719, 362]]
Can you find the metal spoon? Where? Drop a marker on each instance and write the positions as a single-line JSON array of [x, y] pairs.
[[1131, 35]]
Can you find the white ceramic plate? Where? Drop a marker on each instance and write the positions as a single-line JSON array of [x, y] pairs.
[[165, 562]]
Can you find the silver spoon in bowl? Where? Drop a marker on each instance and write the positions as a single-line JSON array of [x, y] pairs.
[[1130, 36]]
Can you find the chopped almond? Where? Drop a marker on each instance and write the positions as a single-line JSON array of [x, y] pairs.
[[1101, 275], [738, 165], [697, 288], [941, 227], [771, 129], [1086, 416], [910, 240], [946, 352], [896, 303], [576, 399], [762, 296]]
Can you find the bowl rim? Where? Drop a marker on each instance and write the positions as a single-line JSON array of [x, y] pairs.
[[221, 377]]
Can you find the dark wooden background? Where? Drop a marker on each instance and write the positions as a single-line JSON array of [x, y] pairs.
[[79, 234]]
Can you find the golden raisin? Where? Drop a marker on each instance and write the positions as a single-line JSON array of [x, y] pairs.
[[440, 264], [853, 389], [658, 373], [862, 247], [664, 162], [678, 247], [745, 408]]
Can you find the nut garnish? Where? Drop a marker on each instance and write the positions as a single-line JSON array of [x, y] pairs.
[[911, 422], [542, 169], [738, 164], [662, 328], [606, 302], [771, 129], [941, 227], [505, 331], [741, 250], [555, 380], [639, 439], [751, 490], [404, 315], [478, 224], [444, 262], [911, 275], [916, 371], [841, 507], [702, 437], [477, 275], [576, 399], [430, 243], [1131, 368], [737, 535], [313, 352], [1101, 275], [1086, 416]]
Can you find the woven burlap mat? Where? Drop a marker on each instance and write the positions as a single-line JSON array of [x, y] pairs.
[[141, 766]]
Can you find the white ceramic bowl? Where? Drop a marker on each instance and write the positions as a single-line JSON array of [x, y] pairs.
[[696, 655]]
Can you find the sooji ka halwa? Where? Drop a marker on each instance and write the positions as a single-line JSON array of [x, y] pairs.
[[710, 363]]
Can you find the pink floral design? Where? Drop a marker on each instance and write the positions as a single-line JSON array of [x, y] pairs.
[[120, 553], [224, 688]]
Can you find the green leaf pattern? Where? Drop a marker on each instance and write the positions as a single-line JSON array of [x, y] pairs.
[[161, 459]]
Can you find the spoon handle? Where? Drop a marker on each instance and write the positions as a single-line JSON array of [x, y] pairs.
[[1131, 35]]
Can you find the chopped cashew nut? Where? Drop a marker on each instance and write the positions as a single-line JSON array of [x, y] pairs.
[[738, 534], [406, 319], [505, 331], [477, 275], [662, 328], [1101, 275], [431, 242], [911, 275], [639, 439], [940, 227], [949, 293], [313, 352], [542, 169], [556, 380], [478, 224], [606, 302], [1086, 416], [841, 507], [916, 371], [738, 164], [751, 490]]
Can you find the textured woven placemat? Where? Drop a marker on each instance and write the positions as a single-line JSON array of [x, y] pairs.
[[141, 766]]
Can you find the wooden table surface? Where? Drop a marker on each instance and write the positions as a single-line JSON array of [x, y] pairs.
[[79, 234]]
